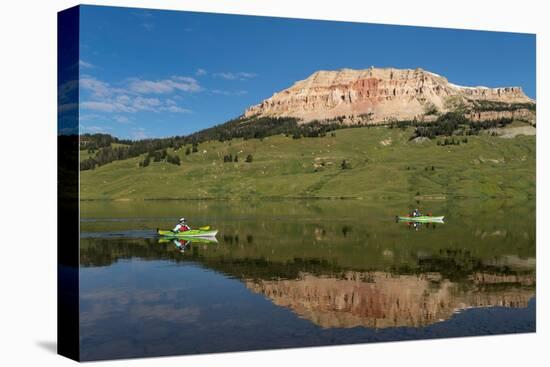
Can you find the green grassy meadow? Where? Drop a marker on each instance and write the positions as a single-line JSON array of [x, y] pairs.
[[384, 165]]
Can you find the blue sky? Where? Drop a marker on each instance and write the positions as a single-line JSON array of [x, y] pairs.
[[152, 73]]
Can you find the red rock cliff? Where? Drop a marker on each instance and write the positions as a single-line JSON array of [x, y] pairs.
[[374, 95]]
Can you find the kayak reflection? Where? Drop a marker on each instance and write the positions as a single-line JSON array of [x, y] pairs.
[[416, 222], [184, 243], [415, 226]]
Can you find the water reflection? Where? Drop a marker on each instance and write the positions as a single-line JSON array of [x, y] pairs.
[[183, 244], [430, 290], [415, 226], [327, 273], [383, 300]]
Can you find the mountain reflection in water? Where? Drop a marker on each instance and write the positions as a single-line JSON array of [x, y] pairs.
[[382, 300], [333, 297]]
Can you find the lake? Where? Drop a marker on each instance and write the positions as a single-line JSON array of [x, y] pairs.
[[300, 273]]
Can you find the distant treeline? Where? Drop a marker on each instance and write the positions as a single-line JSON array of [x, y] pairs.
[[454, 123], [160, 156], [130, 149], [92, 142], [104, 148], [262, 127], [483, 105], [101, 149], [449, 124]]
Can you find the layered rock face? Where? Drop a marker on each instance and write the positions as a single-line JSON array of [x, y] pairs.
[[521, 114], [381, 300], [374, 95]]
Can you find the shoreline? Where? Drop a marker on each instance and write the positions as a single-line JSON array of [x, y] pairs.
[[317, 198]]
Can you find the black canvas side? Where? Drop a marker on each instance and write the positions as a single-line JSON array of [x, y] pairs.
[[68, 184]]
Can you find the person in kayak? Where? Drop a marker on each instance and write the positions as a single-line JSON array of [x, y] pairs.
[[181, 226], [416, 213]]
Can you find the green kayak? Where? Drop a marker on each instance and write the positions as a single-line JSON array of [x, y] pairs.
[[422, 218], [190, 233], [195, 239]]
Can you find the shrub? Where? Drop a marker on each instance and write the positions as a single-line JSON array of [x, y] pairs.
[[146, 161], [173, 159], [227, 158], [430, 109], [87, 164]]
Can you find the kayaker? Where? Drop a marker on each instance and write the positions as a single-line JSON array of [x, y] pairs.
[[181, 226], [416, 213]]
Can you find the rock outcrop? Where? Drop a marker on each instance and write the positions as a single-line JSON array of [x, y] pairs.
[[520, 114], [376, 95]]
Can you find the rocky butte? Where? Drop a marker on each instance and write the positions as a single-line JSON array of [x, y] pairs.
[[380, 95]]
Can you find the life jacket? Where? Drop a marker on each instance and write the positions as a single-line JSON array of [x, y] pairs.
[[184, 227]]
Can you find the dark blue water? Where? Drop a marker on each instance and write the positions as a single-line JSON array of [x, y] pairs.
[[140, 308]]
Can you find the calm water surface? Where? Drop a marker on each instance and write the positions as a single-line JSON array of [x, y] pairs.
[[300, 273]]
